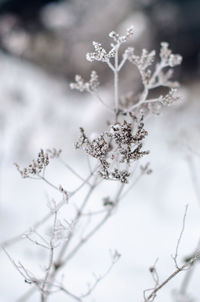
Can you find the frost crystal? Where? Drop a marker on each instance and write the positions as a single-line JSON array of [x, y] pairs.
[[122, 39]]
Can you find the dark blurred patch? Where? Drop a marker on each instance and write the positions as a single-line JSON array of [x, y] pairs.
[[27, 11], [178, 22], [29, 29]]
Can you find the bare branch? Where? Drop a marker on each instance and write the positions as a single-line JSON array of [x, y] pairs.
[[180, 237]]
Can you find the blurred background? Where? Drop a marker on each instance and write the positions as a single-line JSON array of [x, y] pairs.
[[42, 46]]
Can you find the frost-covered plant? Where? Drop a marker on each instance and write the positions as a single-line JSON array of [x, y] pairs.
[[36, 167], [115, 154], [122, 143], [116, 147], [159, 76]]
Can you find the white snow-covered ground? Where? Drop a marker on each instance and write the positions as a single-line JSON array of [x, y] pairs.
[[38, 111]]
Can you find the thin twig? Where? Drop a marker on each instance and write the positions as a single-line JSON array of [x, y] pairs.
[[180, 236], [188, 273], [116, 81], [40, 222], [51, 257], [178, 270]]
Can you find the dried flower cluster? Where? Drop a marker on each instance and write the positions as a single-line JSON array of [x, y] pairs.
[[36, 167], [152, 77], [116, 148], [145, 60], [142, 62], [167, 57], [100, 54], [89, 86], [122, 39], [39, 164]]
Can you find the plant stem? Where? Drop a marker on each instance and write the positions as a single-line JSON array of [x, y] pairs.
[[116, 82]]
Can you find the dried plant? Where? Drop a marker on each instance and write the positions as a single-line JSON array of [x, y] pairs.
[[159, 76], [118, 146], [115, 155]]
